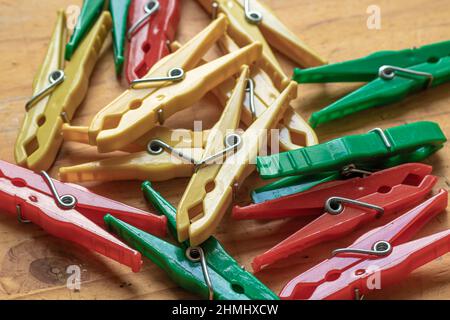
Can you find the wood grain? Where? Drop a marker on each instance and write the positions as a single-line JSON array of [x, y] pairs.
[[32, 264]]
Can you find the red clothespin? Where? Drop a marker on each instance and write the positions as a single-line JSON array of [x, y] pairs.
[[383, 251], [312, 202], [71, 212], [344, 215], [152, 25]]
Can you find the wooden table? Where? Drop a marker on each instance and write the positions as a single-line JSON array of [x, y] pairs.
[[33, 264]]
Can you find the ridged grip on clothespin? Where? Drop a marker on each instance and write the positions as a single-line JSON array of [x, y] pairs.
[[407, 143]]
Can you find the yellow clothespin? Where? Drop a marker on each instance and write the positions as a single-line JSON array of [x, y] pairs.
[[200, 181], [294, 131], [57, 94], [186, 58], [251, 21], [143, 115], [206, 200]]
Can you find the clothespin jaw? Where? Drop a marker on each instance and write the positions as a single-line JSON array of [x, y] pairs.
[[71, 212], [215, 255], [344, 215], [316, 283], [235, 169], [90, 12], [185, 58], [294, 131], [245, 32], [119, 13], [40, 137], [144, 115], [217, 141], [149, 42], [312, 202], [392, 86], [411, 142], [367, 68]]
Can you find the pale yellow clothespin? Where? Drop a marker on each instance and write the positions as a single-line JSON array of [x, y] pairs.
[[208, 197], [251, 21]]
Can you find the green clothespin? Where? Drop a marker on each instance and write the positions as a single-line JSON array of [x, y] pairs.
[[394, 75], [90, 12], [379, 148], [291, 185], [228, 280]]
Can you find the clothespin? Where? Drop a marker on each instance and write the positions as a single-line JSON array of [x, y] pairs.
[[294, 132], [152, 27], [384, 250], [210, 193], [143, 115], [57, 94], [221, 139], [293, 185], [392, 75], [250, 21], [71, 212], [241, 284], [176, 138], [90, 13], [186, 58], [160, 164], [312, 202], [384, 148], [344, 215]]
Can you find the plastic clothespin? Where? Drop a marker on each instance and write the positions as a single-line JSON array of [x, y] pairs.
[[176, 138], [90, 13], [203, 207], [291, 185], [71, 212], [151, 165], [312, 202], [158, 163], [384, 250], [250, 21], [221, 139], [152, 25], [241, 284], [344, 215], [393, 75], [411, 142], [294, 131], [186, 58], [57, 94], [172, 96]]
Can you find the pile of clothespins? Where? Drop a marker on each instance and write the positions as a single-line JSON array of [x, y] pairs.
[[344, 183]]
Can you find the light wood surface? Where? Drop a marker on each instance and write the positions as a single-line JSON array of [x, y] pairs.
[[33, 264]]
